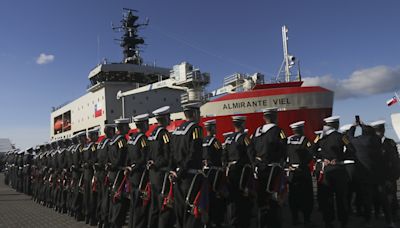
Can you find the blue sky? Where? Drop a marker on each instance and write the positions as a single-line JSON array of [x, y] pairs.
[[333, 39]]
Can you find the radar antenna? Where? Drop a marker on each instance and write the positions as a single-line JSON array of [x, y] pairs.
[[130, 40]]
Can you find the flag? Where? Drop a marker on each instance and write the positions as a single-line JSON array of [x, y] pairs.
[[392, 101], [97, 110]]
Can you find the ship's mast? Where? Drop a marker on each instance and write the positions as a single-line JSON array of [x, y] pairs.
[[288, 59], [130, 39]]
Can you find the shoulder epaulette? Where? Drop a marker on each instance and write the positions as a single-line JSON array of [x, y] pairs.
[[282, 135], [246, 140], [345, 140]]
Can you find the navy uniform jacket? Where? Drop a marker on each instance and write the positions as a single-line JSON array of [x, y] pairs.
[[390, 159], [188, 147], [237, 149], [137, 156], [269, 144], [212, 151], [333, 146], [102, 154], [117, 152], [299, 151], [160, 148]]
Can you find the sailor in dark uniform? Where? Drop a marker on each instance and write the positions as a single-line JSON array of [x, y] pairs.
[[159, 167], [390, 167], [69, 174], [334, 184], [118, 150], [63, 178], [238, 159], [20, 176], [136, 166], [270, 153], [187, 162], [77, 176], [299, 156], [89, 156], [212, 160], [101, 176], [27, 169]]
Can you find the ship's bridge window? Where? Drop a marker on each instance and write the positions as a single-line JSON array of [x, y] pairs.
[[133, 98], [165, 99], [112, 111]]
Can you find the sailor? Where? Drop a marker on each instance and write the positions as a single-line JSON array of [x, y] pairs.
[[136, 169], [299, 156], [69, 174], [390, 167], [63, 175], [58, 159], [20, 164], [89, 156], [102, 184], [350, 166], [366, 173], [270, 153], [238, 160], [212, 161], [77, 175], [187, 159], [334, 184], [159, 167], [27, 161], [118, 149]]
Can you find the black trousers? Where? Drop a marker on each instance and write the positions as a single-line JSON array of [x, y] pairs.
[[183, 213], [241, 208], [301, 194], [334, 186], [118, 206], [269, 209], [137, 211], [157, 217]]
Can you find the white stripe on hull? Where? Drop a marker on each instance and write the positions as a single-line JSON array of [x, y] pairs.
[[313, 100]]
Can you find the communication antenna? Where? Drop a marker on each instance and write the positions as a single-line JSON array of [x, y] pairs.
[[288, 60]]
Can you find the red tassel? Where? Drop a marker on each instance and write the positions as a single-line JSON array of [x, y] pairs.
[[196, 203], [148, 191], [94, 185]]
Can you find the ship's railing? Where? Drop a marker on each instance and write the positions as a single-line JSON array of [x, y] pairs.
[[55, 108], [233, 79], [196, 75]]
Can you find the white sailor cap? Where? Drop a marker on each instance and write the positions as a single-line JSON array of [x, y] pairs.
[[79, 134], [210, 122], [297, 124], [239, 118], [377, 123], [122, 121], [19, 152], [332, 119], [29, 150], [140, 118], [192, 106], [94, 130], [345, 127], [161, 111], [271, 110]]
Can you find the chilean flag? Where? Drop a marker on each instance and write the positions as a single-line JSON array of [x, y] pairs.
[[392, 101], [97, 110]]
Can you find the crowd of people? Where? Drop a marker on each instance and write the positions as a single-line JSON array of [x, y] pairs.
[[188, 178]]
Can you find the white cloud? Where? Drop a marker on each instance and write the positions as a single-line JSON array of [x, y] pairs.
[[365, 82], [44, 59]]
